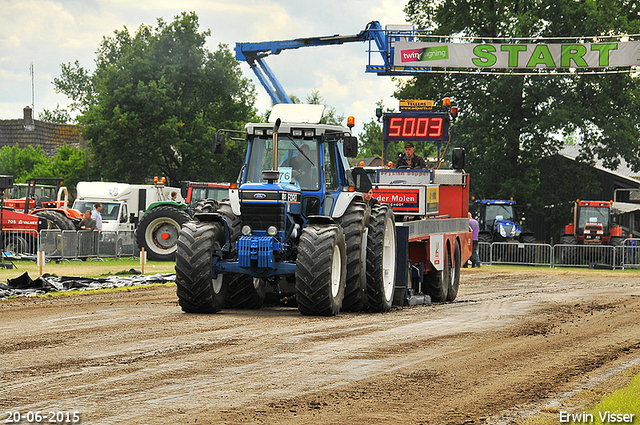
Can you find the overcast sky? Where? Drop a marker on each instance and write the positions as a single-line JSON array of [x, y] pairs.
[[49, 33]]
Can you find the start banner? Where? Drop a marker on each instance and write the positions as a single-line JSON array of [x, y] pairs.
[[518, 56]]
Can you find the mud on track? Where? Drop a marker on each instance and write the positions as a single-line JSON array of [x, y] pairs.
[[512, 338]]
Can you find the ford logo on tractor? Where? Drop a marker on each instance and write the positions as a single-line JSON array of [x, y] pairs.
[[259, 195]]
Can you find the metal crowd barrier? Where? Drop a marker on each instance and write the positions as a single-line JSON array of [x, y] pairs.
[[17, 242], [70, 244], [624, 256]]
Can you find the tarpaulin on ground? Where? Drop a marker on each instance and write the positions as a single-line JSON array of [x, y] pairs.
[[23, 285]]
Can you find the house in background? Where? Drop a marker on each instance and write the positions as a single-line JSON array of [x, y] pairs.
[[29, 132]]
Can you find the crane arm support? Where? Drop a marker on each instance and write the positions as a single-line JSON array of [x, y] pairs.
[[251, 51]]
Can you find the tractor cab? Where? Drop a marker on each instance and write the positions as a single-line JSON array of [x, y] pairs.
[[294, 166], [592, 223]]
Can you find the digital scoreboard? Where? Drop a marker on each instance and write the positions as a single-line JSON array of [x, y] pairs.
[[416, 126]]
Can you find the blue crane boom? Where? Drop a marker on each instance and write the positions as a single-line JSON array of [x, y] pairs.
[[255, 53]]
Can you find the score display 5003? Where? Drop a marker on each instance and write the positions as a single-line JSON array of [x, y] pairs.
[[414, 127]]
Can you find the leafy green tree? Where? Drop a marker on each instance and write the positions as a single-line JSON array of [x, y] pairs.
[[71, 164], [508, 123], [58, 115], [155, 102], [370, 140], [20, 163]]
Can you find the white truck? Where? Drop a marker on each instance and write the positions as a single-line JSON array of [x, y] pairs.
[[147, 209]]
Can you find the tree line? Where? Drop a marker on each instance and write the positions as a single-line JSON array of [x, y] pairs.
[[158, 96]]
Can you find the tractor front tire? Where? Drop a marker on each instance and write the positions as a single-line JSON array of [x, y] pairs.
[[158, 231], [198, 291], [381, 259], [321, 269], [569, 254]]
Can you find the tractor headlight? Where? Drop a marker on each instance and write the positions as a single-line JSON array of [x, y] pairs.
[[501, 230], [246, 230], [272, 230]]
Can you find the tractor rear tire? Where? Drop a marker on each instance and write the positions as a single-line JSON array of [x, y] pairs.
[[158, 231], [355, 235], [198, 291], [454, 282], [245, 292], [438, 283], [618, 253], [207, 206], [56, 220], [321, 269], [381, 259]]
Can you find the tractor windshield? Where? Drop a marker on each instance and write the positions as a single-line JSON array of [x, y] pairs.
[[298, 162], [500, 212], [588, 215]]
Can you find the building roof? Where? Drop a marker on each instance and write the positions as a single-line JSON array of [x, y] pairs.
[[29, 132], [623, 171]]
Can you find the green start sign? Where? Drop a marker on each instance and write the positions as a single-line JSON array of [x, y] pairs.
[[518, 55]]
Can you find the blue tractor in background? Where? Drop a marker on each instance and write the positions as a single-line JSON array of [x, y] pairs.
[[500, 222], [502, 227]]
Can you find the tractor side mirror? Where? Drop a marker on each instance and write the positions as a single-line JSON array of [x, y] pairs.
[[184, 189], [457, 158], [350, 146], [361, 179], [219, 144]]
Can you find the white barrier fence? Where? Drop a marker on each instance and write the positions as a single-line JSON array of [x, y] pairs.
[[623, 256], [69, 244]]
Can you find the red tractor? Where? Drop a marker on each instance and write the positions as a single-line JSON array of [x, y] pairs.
[[205, 197], [20, 231], [50, 202], [592, 225]]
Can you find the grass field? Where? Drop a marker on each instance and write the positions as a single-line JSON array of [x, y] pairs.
[[92, 268]]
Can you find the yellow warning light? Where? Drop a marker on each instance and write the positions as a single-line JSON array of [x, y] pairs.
[[446, 101], [351, 122]]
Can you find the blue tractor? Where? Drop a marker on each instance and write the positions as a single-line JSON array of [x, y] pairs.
[[499, 222], [296, 226]]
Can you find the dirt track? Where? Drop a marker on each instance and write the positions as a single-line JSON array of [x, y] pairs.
[[511, 339]]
